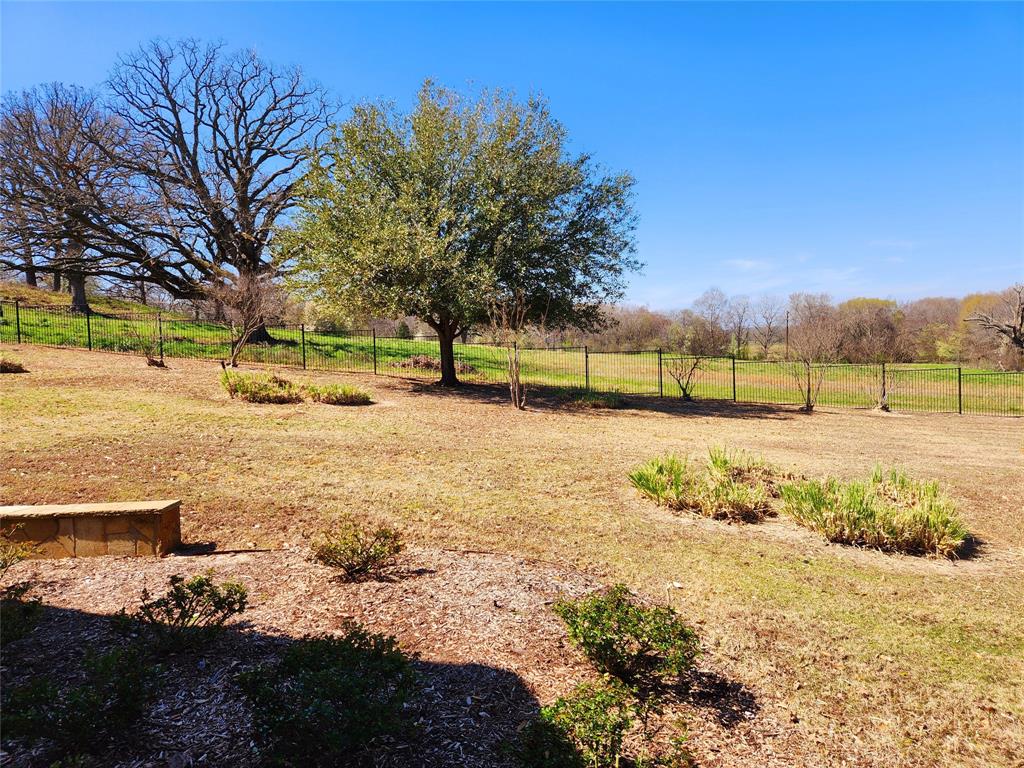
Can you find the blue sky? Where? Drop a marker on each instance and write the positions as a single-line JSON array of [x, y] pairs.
[[858, 149]]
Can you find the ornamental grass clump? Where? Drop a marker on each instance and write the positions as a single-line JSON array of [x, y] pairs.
[[598, 401], [10, 364], [259, 388], [336, 394], [889, 511], [728, 486]]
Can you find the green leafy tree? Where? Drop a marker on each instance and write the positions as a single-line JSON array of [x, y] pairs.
[[446, 212]]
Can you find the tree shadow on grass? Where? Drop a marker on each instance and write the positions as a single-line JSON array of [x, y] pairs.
[[554, 399], [730, 702], [458, 714]]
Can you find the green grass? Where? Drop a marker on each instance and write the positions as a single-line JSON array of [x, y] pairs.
[[889, 511], [928, 388]]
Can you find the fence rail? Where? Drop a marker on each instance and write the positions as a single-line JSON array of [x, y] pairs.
[[655, 373]]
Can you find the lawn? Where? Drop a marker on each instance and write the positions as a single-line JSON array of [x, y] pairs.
[[844, 656]]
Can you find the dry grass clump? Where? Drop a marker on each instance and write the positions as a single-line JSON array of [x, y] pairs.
[[728, 486], [260, 388], [430, 363], [336, 394], [10, 364], [889, 511]]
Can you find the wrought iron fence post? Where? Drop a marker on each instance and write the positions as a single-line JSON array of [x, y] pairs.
[[661, 383], [734, 378], [586, 367], [17, 318], [959, 389], [884, 402], [302, 328], [88, 329], [160, 333], [374, 332]]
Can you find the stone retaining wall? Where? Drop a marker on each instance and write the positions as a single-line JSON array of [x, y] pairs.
[[87, 530]]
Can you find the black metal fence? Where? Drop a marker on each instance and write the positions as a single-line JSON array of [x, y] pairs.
[[656, 373]]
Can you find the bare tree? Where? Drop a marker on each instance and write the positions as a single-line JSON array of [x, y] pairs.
[[1008, 319], [509, 313], [738, 318], [708, 335], [249, 301], [767, 326], [815, 342], [61, 190], [217, 140]]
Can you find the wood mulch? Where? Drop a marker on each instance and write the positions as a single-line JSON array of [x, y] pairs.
[[488, 650]]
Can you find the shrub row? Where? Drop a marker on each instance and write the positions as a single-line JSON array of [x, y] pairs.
[[325, 701]]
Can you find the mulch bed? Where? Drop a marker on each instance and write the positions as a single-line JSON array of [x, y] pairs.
[[489, 653]]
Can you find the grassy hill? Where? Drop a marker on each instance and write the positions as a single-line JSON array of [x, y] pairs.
[[43, 297]]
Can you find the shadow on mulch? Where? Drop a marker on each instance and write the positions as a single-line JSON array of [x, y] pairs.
[[460, 714]]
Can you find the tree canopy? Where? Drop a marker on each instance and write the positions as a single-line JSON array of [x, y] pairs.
[[448, 211]]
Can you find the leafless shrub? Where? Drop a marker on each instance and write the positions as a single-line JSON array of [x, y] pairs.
[[685, 371]]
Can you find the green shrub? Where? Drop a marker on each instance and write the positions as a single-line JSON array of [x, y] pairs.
[[191, 612], [336, 394], [328, 699], [640, 645], [82, 718], [18, 615], [10, 364], [729, 486], [356, 550], [890, 511], [583, 730], [259, 388], [598, 400]]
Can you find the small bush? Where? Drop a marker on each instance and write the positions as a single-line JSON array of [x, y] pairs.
[[10, 364], [729, 486], [637, 644], [599, 400], [584, 729], [336, 394], [259, 388], [890, 511], [191, 611], [428, 363], [357, 551], [18, 615], [81, 719], [328, 699]]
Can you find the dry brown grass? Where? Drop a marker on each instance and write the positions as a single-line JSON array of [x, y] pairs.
[[862, 658]]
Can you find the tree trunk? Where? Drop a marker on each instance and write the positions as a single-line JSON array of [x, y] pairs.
[[446, 339], [56, 282], [30, 276], [76, 282], [261, 335]]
